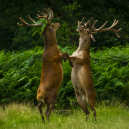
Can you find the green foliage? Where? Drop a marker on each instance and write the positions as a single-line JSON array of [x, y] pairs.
[[20, 75], [110, 73], [68, 14], [38, 29]]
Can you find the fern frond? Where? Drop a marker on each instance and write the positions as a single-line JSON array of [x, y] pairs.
[[38, 29]]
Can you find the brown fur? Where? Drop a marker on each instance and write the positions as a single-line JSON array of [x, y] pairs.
[[52, 70], [81, 73]]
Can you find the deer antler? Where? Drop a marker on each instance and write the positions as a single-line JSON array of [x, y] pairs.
[[111, 28], [82, 22], [85, 25], [24, 23], [49, 15]]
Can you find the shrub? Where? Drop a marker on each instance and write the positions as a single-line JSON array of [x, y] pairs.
[[20, 75]]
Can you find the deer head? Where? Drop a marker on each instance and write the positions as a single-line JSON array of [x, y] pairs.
[[48, 16], [88, 32]]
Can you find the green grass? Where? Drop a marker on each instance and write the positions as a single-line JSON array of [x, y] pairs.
[[26, 116]]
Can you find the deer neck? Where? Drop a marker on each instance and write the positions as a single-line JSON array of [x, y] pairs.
[[50, 39], [84, 43]]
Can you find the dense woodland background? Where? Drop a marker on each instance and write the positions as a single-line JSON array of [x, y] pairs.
[[21, 53]]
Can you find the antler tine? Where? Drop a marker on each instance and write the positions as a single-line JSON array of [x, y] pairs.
[[116, 32], [87, 22], [83, 21], [31, 19], [47, 13], [101, 26], [20, 24], [114, 21], [38, 15], [43, 12], [94, 25], [47, 16], [24, 23], [111, 27], [43, 15], [107, 29], [79, 23], [51, 14]]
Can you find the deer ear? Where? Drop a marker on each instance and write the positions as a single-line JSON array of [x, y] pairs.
[[92, 37]]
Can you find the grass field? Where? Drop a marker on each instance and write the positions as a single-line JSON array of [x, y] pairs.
[[26, 116]]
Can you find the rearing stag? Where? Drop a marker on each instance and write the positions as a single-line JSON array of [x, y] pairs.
[[52, 70], [81, 72]]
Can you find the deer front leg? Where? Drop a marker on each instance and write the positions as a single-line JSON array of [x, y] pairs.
[[77, 59], [66, 56]]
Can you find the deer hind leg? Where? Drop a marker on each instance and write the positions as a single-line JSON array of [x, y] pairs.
[[83, 104], [94, 112], [91, 104], [48, 111], [40, 110], [50, 100]]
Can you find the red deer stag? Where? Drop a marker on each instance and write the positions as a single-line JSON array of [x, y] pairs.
[[81, 72], [52, 70]]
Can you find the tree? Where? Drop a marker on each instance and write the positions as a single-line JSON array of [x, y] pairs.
[[67, 12]]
